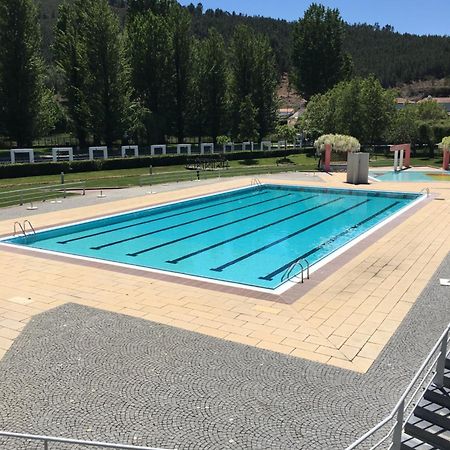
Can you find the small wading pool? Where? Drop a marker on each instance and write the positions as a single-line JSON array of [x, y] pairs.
[[248, 236], [413, 176]]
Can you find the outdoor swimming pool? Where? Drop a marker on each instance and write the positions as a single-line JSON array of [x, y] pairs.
[[412, 176], [247, 236]]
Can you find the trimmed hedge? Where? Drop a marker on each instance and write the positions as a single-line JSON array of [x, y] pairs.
[[52, 168]]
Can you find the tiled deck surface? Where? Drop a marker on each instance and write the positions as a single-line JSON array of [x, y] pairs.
[[344, 321]]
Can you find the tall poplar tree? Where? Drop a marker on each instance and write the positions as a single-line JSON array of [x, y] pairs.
[[318, 59], [24, 99], [180, 24], [253, 74], [88, 50], [209, 106], [149, 50]]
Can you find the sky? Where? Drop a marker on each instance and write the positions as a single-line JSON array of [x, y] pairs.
[[406, 16]]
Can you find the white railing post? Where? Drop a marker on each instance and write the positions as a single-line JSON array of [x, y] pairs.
[[397, 435], [438, 379]]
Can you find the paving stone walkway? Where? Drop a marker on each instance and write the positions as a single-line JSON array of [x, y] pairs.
[[85, 373]]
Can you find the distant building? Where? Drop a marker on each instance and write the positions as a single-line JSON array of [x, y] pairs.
[[400, 102], [443, 101]]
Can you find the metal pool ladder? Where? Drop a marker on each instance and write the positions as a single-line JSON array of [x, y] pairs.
[[303, 264], [256, 182], [427, 190], [23, 227]]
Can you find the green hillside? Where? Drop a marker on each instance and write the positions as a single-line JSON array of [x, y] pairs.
[[393, 57]]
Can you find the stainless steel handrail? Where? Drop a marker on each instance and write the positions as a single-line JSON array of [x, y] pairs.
[[46, 439], [398, 412], [21, 228], [20, 196], [25, 222], [297, 262]]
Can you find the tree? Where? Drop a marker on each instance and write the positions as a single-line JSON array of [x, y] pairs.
[[71, 59], [248, 126], [25, 101], [210, 87], [149, 50], [359, 107], [88, 51], [108, 81], [253, 74], [182, 67], [318, 59]]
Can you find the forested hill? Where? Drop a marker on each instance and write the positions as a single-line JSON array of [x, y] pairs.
[[393, 57]]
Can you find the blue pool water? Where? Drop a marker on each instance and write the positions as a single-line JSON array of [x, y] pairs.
[[249, 236], [410, 176]]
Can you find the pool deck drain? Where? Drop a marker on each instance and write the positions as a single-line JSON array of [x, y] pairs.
[[345, 320]]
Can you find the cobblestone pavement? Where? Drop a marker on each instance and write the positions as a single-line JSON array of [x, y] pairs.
[[80, 372]]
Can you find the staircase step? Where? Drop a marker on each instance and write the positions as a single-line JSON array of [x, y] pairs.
[[411, 443], [434, 413], [441, 396], [428, 432], [447, 363]]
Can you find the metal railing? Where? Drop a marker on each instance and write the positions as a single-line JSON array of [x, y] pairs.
[[301, 262], [40, 193], [46, 440], [425, 190], [431, 371], [196, 175]]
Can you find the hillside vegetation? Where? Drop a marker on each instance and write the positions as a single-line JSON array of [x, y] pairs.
[[392, 57]]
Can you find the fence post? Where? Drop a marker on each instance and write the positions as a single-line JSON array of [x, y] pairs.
[[438, 379], [397, 436], [62, 177]]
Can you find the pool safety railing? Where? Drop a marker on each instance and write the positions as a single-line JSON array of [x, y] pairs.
[[40, 193], [303, 264], [161, 178], [430, 372], [23, 227], [46, 440], [256, 182], [425, 190]]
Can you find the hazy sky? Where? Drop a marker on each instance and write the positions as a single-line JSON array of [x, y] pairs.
[[406, 16]]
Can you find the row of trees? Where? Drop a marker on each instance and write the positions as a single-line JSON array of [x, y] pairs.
[[392, 57], [362, 108], [148, 81]]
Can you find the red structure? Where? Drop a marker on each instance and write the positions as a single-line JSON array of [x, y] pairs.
[[406, 148], [446, 159]]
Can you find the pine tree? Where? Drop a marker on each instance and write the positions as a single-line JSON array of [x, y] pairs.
[[24, 98]]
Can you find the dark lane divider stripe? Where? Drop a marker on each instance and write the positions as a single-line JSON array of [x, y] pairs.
[[218, 227], [189, 222], [286, 266], [160, 218], [239, 236], [278, 241]]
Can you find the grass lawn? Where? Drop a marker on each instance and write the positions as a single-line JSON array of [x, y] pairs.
[[131, 177]]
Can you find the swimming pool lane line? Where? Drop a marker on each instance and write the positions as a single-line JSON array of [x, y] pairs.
[[271, 275], [162, 218], [247, 233], [189, 222], [226, 225], [278, 241]]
